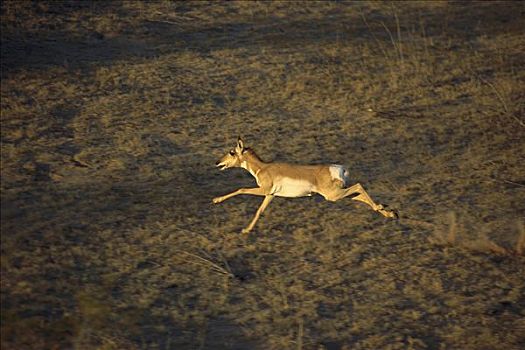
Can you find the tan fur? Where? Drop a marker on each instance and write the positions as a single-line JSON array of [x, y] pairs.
[[291, 180]]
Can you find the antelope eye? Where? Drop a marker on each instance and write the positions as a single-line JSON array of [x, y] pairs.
[[232, 152]]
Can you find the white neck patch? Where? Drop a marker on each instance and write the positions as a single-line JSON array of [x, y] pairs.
[[244, 165]]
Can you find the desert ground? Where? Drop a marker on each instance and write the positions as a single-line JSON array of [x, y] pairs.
[[113, 115]]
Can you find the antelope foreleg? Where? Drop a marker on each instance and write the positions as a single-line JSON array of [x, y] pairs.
[[263, 206], [253, 191]]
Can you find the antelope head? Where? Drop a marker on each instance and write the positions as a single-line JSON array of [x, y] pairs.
[[234, 158]]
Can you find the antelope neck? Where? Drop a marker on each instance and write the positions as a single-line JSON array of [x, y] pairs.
[[252, 164]]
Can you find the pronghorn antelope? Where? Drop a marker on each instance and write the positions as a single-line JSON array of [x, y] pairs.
[[290, 180]]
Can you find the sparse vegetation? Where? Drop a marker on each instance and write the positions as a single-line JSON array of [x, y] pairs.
[[114, 113], [481, 243]]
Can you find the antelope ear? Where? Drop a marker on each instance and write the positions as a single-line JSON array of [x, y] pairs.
[[240, 144]]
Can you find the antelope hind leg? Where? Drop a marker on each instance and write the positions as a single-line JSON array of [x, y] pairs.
[[359, 194]]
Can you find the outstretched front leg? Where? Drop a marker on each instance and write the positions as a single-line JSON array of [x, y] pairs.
[[253, 191]]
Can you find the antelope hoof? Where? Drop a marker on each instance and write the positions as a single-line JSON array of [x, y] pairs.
[[245, 231], [387, 212], [217, 200]]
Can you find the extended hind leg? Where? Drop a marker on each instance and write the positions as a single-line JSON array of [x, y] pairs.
[[358, 193]]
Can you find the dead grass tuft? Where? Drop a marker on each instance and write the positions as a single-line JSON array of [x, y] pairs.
[[448, 236], [520, 244], [480, 244]]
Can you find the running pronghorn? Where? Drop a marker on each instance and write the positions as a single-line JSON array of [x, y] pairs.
[[290, 180]]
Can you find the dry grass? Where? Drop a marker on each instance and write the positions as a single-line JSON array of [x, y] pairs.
[[114, 113], [480, 244]]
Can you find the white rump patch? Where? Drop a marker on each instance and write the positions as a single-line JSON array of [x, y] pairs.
[[288, 187], [338, 172]]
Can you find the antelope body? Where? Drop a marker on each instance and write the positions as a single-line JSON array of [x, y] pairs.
[[291, 180]]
